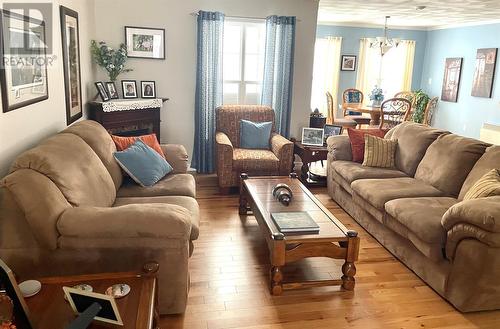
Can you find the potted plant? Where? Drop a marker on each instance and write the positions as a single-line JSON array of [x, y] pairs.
[[420, 100], [376, 96], [113, 61]]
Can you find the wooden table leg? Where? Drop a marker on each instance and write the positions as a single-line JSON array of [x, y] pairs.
[[276, 280], [243, 206], [375, 118], [304, 171], [349, 269]]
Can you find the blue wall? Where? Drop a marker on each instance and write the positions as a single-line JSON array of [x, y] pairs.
[[467, 116], [350, 46]]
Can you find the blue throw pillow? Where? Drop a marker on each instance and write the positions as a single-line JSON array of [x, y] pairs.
[[143, 164], [255, 135]]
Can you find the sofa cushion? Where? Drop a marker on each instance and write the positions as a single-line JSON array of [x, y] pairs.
[[171, 185], [123, 143], [255, 161], [352, 171], [74, 167], [486, 186], [143, 163], [379, 152], [413, 141], [183, 201], [357, 139], [100, 141], [378, 191], [489, 160], [448, 161]]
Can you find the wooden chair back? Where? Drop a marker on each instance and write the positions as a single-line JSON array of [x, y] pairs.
[[330, 108], [351, 95], [409, 95], [393, 112], [430, 109]]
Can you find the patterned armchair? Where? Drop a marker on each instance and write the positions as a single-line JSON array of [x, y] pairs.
[[232, 160]]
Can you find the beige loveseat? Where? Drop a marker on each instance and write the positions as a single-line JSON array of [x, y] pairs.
[[67, 209], [417, 212]]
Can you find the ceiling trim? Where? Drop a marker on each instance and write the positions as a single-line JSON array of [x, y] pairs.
[[373, 26], [453, 26]]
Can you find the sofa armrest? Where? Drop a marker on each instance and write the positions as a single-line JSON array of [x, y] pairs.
[[472, 219], [339, 148], [177, 156], [283, 149], [150, 220]]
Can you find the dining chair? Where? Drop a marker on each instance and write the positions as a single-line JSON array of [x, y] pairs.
[[353, 95], [393, 112], [345, 123], [430, 109], [409, 95]]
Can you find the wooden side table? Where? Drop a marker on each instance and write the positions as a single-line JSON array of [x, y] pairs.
[[309, 154], [49, 309]]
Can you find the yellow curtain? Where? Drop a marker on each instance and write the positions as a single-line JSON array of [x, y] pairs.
[[362, 79], [326, 72], [408, 63]]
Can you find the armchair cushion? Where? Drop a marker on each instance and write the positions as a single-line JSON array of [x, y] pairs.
[[255, 135], [255, 161]]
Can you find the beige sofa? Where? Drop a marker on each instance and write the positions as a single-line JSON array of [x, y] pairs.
[[67, 209], [417, 212]]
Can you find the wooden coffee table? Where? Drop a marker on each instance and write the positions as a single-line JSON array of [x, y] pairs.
[[334, 239]]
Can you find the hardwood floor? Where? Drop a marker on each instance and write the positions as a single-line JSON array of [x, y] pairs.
[[229, 282]]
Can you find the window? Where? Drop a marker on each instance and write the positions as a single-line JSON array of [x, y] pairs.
[[243, 61], [392, 72]]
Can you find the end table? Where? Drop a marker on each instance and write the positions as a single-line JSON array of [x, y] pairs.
[[309, 154]]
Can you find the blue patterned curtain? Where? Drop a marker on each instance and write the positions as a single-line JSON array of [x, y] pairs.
[[278, 69], [208, 88]]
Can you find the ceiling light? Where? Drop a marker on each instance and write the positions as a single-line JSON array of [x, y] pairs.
[[384, 43]]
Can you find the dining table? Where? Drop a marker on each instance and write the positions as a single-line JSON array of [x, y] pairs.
[[373, 111]]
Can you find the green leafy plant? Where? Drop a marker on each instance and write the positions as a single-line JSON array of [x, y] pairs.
[[113, 61], [420, 100]]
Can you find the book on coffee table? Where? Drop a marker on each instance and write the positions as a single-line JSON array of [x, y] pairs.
[[297, 222]]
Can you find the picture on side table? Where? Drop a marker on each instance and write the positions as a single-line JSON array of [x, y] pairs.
[[332, 130], [451, 80], [23, 77], [148, 89], [312, 136], [102, 91], [144, 42], [70, 34], [111, 89], [482, 84], [129, 89], [348, 63]]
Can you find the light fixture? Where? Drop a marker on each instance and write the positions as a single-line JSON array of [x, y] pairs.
[[384, 43]]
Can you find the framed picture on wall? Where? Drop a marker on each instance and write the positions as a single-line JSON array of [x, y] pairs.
[[482, 84], [71, 63], [23, 77], [348, 63], [145, 42], [451, 80]]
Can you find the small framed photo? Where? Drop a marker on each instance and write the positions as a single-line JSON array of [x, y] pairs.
[[348, 63], [332, 130], [129, 89], [145, 42], [312, 136], [111, 89], [148, 89], [102, 90], [80, 300]]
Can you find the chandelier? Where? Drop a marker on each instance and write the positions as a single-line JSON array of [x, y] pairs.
[[384, 43]]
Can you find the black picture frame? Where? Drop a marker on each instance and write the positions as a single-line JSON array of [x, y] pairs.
[[111, 90], [101, 89], [131, 53], [26, 89], [345, 65], [332, 130], [20, 309], [144, 84], [127, 94], [72, 67]]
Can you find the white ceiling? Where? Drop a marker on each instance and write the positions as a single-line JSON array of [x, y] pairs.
[[438, 13]]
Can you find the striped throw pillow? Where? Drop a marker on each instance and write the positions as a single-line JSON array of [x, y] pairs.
[[488, 185], [379, 152]]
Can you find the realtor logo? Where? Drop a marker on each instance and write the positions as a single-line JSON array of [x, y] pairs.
[[27, 29]]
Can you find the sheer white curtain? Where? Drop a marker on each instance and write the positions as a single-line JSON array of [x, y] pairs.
[[326, 71], [392, 72]]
